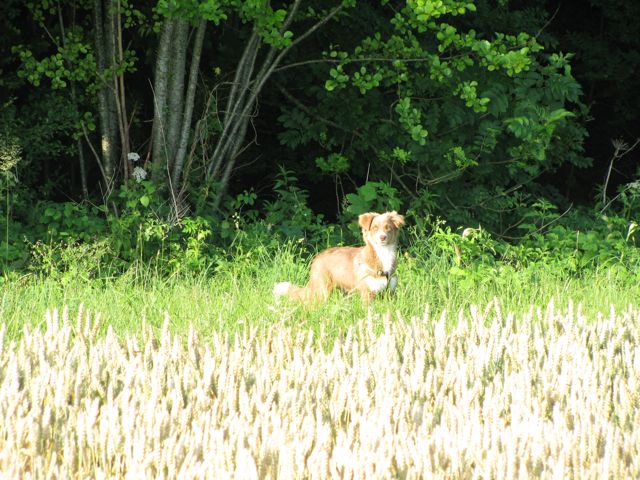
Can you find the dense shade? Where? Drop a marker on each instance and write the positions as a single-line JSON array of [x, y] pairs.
[[177, 119]]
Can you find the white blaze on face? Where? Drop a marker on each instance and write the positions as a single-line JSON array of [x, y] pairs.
[[382, 234], [383, 231]]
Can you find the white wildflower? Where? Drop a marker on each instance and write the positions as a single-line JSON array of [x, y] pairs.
[[139, 174], [468, 232], [133, 156], [10, 152]]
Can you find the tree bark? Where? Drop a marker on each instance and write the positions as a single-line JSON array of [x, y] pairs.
[[188, 107], [159, 129], [175, 94], [108, 144]]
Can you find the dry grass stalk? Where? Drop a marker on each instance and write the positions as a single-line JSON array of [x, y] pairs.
[[551, 395]]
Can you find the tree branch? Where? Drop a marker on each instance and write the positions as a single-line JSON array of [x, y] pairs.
[[621, 149]]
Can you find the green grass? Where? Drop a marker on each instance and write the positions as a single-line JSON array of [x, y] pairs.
[[236, 294]]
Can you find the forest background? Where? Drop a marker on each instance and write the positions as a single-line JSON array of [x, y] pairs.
[[181, 134]]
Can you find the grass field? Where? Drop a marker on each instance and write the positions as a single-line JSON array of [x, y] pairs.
[[528, 373], [237, 294]]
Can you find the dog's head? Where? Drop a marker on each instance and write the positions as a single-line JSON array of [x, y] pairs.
[[381, 228]]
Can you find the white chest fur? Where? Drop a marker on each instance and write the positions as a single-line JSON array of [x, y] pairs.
[[387, 256], [376, 284]]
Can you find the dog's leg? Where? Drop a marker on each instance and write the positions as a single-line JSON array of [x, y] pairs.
[[317, 290], [393, 282], [366, 295]]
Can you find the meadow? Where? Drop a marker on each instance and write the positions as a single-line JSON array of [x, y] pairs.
[[164, 164], [236, 293], [516, 373]]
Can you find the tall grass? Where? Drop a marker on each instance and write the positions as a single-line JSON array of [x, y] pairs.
[[207, 376], [235, 294], [552, 393]]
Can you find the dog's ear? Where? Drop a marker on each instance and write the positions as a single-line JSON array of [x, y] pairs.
[[396, 218], [365, 219]]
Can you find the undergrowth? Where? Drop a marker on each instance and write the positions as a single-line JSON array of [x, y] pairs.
[[217, 272]]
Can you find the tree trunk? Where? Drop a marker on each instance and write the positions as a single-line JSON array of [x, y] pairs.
[[175, 100], [81, 160], [237, 119], [159, 130], [108, 141], [83, 171], [235, 103], [74, 99], [110, 34], [118, 89], [188, 107]]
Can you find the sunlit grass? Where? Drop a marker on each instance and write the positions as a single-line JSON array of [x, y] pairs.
[[237, 293]]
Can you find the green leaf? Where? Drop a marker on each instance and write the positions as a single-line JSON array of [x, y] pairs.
[[559, 114]]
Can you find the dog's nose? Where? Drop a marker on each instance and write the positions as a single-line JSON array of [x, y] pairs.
[[383, 237]]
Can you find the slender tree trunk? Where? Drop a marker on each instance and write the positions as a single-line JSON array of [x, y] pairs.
[[108, 143], [119, 94], [188, 106], [237, 121], [233, 154], [112, 105], [175, 100], [238, 106], [81, 160], [159, 130], [74, 99], [83, 171], [235, 102]]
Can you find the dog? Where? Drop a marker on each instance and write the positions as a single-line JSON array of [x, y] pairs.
[[367, 270]]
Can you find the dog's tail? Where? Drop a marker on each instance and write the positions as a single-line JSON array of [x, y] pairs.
[[282, 288], [292, 291], [306, 294]]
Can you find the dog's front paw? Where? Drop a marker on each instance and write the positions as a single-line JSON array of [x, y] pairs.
[[280, 289]]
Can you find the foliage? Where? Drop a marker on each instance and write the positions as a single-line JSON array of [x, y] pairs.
[[73, 61], [69, 262], [479, 116], [289, 215], [455, 110], [10, 152], [475, 256]]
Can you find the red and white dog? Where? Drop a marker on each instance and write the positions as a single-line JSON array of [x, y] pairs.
[[368, 270]]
